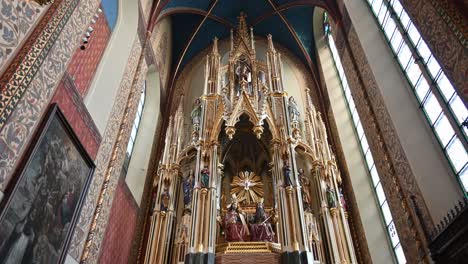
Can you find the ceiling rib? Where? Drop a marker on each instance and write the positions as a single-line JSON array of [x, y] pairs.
[[294, 35], [186, 10], [212, 5], [311, 3]]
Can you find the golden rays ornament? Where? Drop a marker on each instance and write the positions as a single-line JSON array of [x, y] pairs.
[[247, 186]]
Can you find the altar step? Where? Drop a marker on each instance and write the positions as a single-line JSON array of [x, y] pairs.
[[248, 253]]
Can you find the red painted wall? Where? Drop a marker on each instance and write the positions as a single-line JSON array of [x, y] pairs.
[[120, 230], [84, 63], [72, 106]]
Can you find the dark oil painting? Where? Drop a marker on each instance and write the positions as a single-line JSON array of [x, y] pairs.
[[37, 220]]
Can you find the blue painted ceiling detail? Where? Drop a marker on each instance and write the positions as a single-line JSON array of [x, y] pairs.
[[111, 11], [185, 22]]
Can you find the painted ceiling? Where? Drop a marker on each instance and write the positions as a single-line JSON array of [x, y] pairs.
[[289, 22]]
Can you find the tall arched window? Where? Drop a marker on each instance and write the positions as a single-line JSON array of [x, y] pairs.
[[444, 110], [135, 126], [366, 152]]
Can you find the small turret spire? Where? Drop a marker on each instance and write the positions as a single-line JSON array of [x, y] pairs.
[[215, 46], [270, 43]]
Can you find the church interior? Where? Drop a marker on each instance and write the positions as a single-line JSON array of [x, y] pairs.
[[203, 132]]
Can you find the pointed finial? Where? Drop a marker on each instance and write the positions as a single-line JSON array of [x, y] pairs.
[[270, 42], [252, 38], [232, 39], [215, 45]]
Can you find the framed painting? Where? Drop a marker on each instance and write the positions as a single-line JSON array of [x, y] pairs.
[[40, 212]]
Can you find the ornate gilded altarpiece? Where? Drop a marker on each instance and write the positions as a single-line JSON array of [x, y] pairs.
[[256, 177]]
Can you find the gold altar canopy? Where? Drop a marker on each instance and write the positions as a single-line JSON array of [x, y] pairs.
[[249, 139]]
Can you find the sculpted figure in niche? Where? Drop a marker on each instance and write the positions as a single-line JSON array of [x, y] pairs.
[[243, 75], [331, 200], [165, 198], [261, 77], [293, 110], [261, 230], [342, 200], [196, 114], [305, 183], [185, 225], [234, 222], [205, 177], [188, 185], [287, 174]]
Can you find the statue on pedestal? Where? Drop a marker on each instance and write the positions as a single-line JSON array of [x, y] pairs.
[[205, 177], [293, 110], [261, 230], [235, 225], [331, 200], [188, 185], [287, 174], [342, 200], [243, 75], [165, 198], [305, 183], [185, 225], [195, 115]]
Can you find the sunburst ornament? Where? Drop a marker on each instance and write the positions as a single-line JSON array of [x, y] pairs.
[[247, 186]]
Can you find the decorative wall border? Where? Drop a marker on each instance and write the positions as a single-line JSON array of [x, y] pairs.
[[26, 45], [23, 116], [446, 47], [453, 18], [104, 156], [103, 209], [22, 75], [400, 186]]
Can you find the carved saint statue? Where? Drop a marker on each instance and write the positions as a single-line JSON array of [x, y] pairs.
[[205, 177], [261, 77], [196, 114], [342, 200], [188, 185], [243, 75], [305, 183], [234, 222], [331, 200], [293, 110], [185, 225], [165, 198], [261, 230], [287, 173], [260, 215]]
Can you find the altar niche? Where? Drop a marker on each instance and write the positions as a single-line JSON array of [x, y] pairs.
[[246, 198]]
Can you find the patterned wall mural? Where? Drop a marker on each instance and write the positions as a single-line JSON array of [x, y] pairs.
[[29, 90], [17, 18]]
